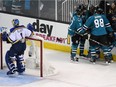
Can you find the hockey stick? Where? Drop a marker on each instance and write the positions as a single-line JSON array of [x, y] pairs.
[[89, 38]]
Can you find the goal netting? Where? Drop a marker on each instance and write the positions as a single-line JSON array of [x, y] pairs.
[[35, 62]]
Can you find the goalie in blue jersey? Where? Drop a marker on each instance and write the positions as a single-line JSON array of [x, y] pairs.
[[99, 28], [14, 56]]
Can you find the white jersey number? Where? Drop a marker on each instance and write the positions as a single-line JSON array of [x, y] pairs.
[[99, 23]]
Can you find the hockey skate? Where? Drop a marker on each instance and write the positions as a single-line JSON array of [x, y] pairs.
[[11, 73], [107, 61], [75, 59], [72, 60], [93, 61]]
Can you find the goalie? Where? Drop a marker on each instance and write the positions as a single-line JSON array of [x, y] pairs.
[[14, 56]]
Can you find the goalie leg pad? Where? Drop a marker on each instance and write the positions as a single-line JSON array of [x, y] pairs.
[[20, 64], [11, 63]]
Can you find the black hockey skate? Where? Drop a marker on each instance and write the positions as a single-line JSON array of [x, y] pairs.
[[93, 60], [10, 73], [72, 59], [75, 59], [107, 61]]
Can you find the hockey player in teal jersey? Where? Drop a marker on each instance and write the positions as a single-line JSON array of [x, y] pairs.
[[76, 25], [99, 28]]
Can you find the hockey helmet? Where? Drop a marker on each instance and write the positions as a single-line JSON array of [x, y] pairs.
[[98, 10], [15, 22], [80, 9]]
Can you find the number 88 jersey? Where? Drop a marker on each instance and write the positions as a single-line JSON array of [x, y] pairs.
[[98, 24]]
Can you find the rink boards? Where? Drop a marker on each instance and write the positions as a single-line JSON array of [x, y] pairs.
[[53, 33]]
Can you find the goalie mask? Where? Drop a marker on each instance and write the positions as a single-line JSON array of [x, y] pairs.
[[15, 22]]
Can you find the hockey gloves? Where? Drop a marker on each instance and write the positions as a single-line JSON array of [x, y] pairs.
[[30, 27], [4, 36]]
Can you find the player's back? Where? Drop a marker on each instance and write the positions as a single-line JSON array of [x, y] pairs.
[[97, 24], [17, 38], [19, 33]]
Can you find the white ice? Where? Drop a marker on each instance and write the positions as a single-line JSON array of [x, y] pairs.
[[82, 74]]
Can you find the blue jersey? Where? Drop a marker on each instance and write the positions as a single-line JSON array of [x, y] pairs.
[[75, 25], [98, 24]]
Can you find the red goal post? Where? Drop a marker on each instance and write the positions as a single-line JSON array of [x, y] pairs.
[[34, 38], [1, 53]]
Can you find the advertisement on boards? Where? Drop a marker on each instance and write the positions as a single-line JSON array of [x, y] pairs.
[[50, 31]]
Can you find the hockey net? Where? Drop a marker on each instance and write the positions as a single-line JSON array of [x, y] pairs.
[[35, 62]]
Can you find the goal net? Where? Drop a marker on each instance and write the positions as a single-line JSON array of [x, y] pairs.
[[35, 62]]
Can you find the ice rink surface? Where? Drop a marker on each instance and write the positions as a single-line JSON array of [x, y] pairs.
[[82, 74]]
